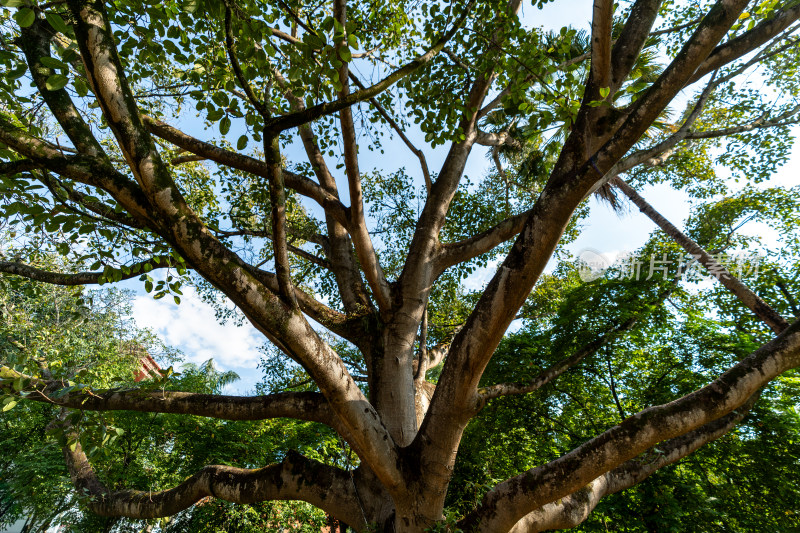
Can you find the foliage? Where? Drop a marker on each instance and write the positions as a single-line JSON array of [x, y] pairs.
[[252, 149]]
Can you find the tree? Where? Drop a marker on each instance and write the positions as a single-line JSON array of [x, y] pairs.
[[398, 376], [60, 326]]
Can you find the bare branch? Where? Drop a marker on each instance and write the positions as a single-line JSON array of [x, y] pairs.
[[750, 299], [458, 252], [601, 44], [551, 373], [747, 42]]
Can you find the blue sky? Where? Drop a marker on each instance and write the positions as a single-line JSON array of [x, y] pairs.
[[192, 326]]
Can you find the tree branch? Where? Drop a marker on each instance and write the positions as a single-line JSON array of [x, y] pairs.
[[751, 300], [458, 252], [358, 225], [230, 46], [396, 127], [277, 194], [346, 270], [81, 168], [631, 40], [302, 185], [307, 406], [296, 478], [297, 118], [509, 501], [86, 201], [554, 371], [497, 139], [77, 278], [35, 43], [571, 510], [601, 44], [747, 42]]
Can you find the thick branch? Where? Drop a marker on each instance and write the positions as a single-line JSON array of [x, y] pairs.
[[509, 501], [497, 139], [308, 406], [296, 478], [747, 42], [346, 270], [631, 40], [92, 171], [663, 149], [35, 43], [282, 324], [277, 194], [458, 252], [574, 174], [571, 510], [601, 43]]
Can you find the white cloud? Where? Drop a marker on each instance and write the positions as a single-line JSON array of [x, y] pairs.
[[192, 327]]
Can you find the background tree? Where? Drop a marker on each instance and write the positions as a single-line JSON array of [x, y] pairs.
[[96, 168], [60, 327]]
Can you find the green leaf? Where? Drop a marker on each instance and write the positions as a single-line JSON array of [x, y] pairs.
[[25, 17], [56, 82], [10, 405], [225, 125], [57, 22], [81, 87], [604, 91], [12, 3], [52, 62], [241, 144], [17, 72], [345, 54]]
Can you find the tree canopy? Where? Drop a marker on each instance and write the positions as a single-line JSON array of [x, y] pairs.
[[116, 121]]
